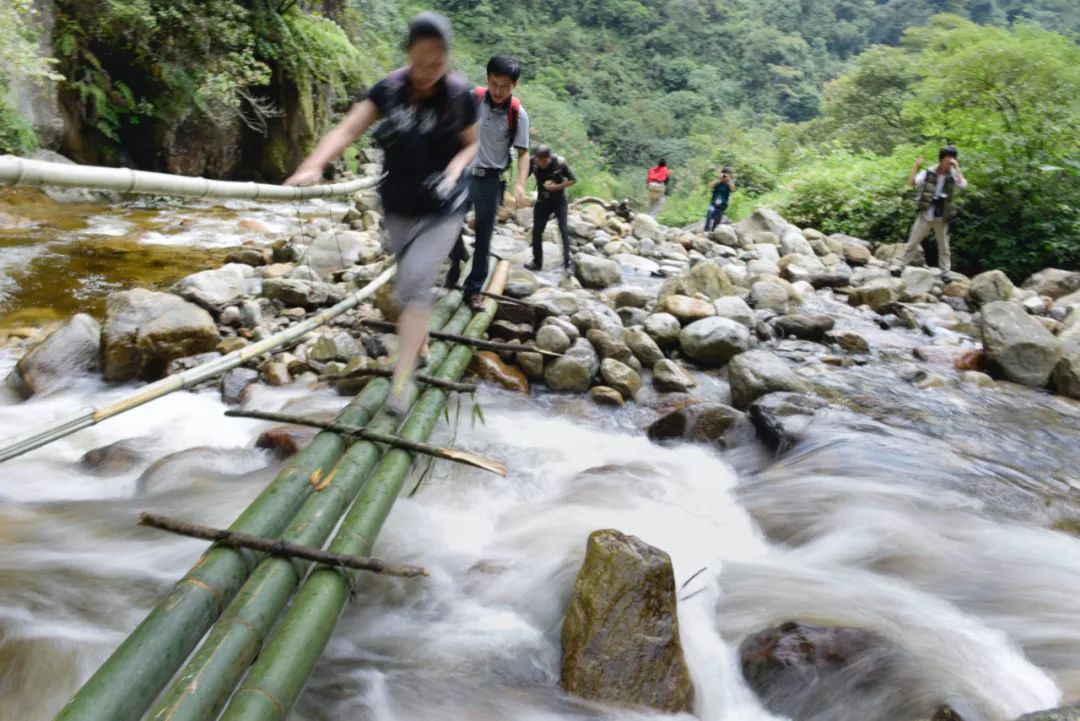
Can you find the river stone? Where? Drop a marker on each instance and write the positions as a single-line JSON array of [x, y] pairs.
[[804, 326], [608, 346], [781, 419], [299, 293], [918, 281], [1018, 345], [1053, 282], [804, 671], [645, 227], [632, 298], [877, 293], [699, 423], [531, 364], [725, 235], [621, 377], [755, 373], [552, 338], [254, 257], [761, 224], [769, 295], [521, 284], [338, 346], [235, 382], [336, 249], [144, 330], [848, 340], [632, 316], [663, 328], [670, 377], [1065, 713], [564, 325], [856, 253], [276, 373], [554, 302], [215, 289], [1068, 303], [707, 278], [620, 637], [687, 310], [594, 272], [1069, 333], [507, 332], [990, 287], [792, 242], [714, 341], [735, 308], [286, 441], [70, 351], [575, 370], [489, 367], [606, 396], [115, 458], [1067, 375], [643, 347]]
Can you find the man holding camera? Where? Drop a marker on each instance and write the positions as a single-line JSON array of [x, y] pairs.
[[936, 205]]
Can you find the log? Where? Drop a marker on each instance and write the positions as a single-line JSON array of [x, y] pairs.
[[287, 660], [449, 454], [132, 677], [464, 340], [276, 546]]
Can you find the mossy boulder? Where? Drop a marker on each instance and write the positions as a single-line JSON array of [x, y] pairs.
[[620, 637]]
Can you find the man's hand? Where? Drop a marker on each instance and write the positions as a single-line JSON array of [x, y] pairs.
[[519, 195], [919, 161], [304, 176], [550, 185], [953, 164]]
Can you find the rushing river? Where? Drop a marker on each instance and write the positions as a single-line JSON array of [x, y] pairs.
[[940, 517]]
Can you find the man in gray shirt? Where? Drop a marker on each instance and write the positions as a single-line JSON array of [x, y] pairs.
[[503, 127]]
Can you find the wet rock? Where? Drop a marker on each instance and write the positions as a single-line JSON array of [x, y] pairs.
[[489, 367], [714, 341], [1018, 345], [805, 671], [564, 325], [286, 441], [620, 637], [608, 346], [605, 396], [700, 423], [877, 293], [781, 419], [1066, 379], [334, 346], [230, 345], [116, 458], [829, 280], [663, 328], [976, 378], [971, 360], [735, 308], [521, 284], [575, 370], [990, 287], [293, 292], [215, 289], [515, 313], [643, 347], [531, 364], [70, 351], [235, 382], [687, 310], [1065, 713], [597, 318], [848, 340], [552, 338], [144, 330], [594, 272], [507, 332], [669, 377], [1053, 282], [755, 373], [804, 327], [276, 373], [621, 377]]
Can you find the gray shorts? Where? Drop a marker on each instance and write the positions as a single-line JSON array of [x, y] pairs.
[[419, 245]]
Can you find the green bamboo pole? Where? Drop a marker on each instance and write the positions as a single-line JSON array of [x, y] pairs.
[[129, 681], [289, 657], [204, 684]]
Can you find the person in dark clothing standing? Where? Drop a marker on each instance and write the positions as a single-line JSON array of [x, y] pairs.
[[553, 177], [427, 121], [722, 188]]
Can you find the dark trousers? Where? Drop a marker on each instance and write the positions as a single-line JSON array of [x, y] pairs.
[[545, 208], [484, 194], [714, 216]]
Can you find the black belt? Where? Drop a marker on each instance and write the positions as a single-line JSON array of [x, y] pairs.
[[487, 172]]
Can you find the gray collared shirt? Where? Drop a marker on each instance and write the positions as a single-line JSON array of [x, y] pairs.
[[492, 127]]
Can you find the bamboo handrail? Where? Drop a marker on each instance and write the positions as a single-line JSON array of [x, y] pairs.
[[16, 171]]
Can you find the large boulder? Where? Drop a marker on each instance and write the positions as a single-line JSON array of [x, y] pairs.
[[594, 272], [144, 330], [1067, 375], [68, 352], [700, 423], [1018, 345], [714, 341], [990, 287], [1069, 333], [215, 289], [761, 222], [575, 370], [1053, 282], [758, 372], [918, 281], [620, 637], [336, 249]]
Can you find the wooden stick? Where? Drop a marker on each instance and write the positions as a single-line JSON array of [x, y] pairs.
[[449, 454], [501, 298], [427, 380], [465, 340], [276, 546]]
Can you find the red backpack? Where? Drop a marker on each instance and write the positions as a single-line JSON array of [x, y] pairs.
[[481, 94]]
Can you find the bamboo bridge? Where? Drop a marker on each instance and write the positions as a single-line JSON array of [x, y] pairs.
[[238, 637]]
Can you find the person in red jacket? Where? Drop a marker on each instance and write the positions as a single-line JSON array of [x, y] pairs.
[[657, 181]]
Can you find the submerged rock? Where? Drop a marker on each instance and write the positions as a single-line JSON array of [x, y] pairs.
[[115, 458], [620, 637], [700, 423], [781, 419]]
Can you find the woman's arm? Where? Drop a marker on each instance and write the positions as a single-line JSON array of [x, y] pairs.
[[470, 144], [361, 117]]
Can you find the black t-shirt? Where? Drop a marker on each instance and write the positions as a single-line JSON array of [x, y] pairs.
[[420, 139], [557, 171]]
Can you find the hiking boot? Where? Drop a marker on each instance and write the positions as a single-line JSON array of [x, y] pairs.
[[533, 266]]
